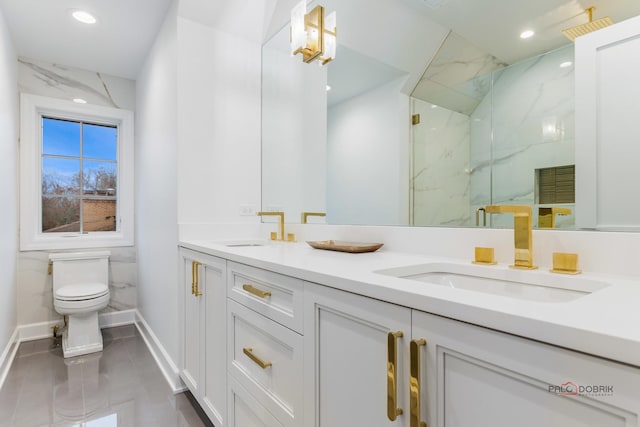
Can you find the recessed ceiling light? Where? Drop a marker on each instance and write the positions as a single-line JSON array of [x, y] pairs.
[[566, 64], [84, 17], [328, 88], [434, 106], [526, 34], [79, 101]]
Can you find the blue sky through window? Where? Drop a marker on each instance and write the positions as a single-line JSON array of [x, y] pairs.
[[62, 138]]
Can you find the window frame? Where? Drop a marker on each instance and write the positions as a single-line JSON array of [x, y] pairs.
[[32, 110]]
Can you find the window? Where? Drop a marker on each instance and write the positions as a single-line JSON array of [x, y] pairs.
[[76, 175]]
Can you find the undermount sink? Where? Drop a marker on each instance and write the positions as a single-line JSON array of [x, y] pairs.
[[242, 243], [533, 285]]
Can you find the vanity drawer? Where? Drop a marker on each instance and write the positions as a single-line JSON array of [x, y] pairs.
[[274, 295], [245, 411], [266, 359]]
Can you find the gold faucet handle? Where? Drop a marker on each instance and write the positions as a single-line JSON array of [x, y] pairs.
[[484, 256], [565, 263]]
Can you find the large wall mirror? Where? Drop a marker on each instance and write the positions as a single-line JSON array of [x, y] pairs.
[[431, 110]]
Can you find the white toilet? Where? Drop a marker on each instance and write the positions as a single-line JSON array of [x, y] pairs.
[[80, 290]]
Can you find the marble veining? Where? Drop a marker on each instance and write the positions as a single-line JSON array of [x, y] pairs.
[[59, 81], [440, 180], [458, 78], [461, 163], [35, 291]]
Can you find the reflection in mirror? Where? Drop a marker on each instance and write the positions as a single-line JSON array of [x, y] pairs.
[[484, 136], [494, 127]]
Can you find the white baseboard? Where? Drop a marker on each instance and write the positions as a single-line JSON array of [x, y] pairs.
[[9, 353], [36, 331], [162, 358], [117, 318]]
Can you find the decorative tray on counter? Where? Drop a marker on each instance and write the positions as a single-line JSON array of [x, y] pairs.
[[340, 246]]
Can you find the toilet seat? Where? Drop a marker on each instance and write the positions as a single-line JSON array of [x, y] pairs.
[[81, 291]]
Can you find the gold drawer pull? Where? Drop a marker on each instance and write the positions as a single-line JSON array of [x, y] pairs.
[[392, 384], [197, 271], [255, 291], [249, 352], [414, 383], [193, 277]]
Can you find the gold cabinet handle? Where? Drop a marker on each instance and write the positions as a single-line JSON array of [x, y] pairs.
[[193, 277], [392, 383], [249, 352], [197, 271], [255, 291], [414, 383]]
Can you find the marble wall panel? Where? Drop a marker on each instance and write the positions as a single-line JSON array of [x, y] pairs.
[[531, 112], [440, 181], [35, 289], [59, 81]]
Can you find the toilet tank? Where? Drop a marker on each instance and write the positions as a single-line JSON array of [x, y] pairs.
[[80, 267]]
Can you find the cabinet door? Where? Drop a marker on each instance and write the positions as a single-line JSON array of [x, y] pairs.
[[486, 378], [204, 353], [191, 372], [348, 379], [607, 131], [214, 358]]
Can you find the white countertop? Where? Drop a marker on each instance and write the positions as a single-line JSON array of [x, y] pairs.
[[605, 323]]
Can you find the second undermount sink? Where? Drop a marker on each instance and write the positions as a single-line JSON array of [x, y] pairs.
[[534, 285], [242, 243]]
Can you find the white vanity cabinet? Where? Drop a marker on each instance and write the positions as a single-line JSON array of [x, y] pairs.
[[456, 374], [473, 376], [349, 380], [204, 332]]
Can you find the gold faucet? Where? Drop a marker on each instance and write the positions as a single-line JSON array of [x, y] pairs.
[[547, 216], [306, 215], [522, 235], [280, 225]]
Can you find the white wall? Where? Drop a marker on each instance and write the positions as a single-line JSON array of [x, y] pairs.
[[156, 191], [368, 158], [218, 124], [8, 184]]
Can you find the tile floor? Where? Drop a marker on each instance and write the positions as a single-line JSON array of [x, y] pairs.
[[119, 387]]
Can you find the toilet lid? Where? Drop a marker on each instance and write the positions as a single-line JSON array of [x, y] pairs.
[[81, 291]]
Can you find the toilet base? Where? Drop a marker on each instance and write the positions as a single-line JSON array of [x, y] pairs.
[[82, 336]]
